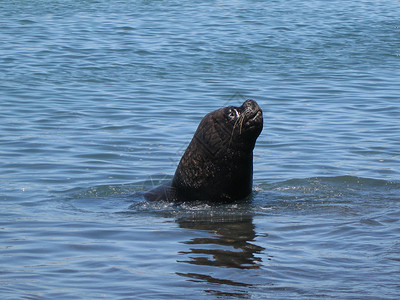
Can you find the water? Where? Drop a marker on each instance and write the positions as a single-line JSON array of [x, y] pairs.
[[99, 100]]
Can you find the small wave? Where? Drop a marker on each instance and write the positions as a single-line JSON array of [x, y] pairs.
[[101, 191], [344, 180], [298, 194], [328, 185], [326, 193], [105, 199]]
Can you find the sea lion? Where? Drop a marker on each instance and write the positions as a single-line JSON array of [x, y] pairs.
[[217, 166]]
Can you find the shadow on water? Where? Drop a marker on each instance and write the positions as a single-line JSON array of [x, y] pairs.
[[219, 252], [228, 244], [236, 235]]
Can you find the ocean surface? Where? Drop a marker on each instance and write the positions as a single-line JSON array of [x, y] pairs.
[[99, 99]]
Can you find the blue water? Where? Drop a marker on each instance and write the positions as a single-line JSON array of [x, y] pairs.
[[100, 98]]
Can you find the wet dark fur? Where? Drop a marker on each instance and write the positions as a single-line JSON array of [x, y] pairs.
[[217, 166]]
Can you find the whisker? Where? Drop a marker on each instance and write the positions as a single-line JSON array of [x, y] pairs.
[[241, 124], [233, 129]]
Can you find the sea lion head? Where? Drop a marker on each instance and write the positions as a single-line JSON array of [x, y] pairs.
[[231, 127], [246, 122]]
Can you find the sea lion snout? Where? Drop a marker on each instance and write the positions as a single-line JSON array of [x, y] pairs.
[[253, 115], [250, 105]]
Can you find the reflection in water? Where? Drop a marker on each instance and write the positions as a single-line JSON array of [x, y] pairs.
[[228, 246]]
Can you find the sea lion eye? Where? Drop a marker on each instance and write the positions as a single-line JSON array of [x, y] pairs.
[[233, 113]]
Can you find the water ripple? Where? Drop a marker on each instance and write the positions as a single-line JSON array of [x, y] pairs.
[[99, 101]]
